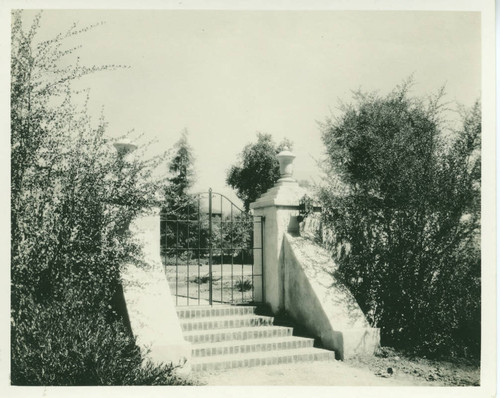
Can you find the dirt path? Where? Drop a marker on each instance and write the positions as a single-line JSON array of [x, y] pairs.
[[335, 373]]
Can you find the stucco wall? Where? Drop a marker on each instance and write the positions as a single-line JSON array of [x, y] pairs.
[[279, 207], [149, 302], [322, 305]]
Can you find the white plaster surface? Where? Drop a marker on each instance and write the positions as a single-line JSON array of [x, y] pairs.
[[150, 304], [298, 276], [286, 192], [326, 307], [278, 207]]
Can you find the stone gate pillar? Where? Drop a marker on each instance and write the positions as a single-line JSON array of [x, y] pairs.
[[279, 207]]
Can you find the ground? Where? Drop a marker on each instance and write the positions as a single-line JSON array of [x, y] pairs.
[[227, 279], [436, 373], [392, 370], [301, 374]]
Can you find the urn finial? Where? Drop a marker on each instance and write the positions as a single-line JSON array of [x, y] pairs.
[[285, 158], [124, 147]]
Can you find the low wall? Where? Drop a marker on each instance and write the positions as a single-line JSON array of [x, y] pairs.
[[318, 302], [149, 302]]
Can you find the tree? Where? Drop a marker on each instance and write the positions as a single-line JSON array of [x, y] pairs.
[[403, 204], [178, 202], [257, 170], [70, 199], [180, 207], [181, 166]]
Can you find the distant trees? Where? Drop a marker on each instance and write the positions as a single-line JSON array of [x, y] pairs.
[[257, 169], [186, 225], [403, 203]]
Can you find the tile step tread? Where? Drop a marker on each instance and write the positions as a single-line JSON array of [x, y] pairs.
[[194, 308], [209, 307], [252, 342], [235, 330], [204, 312], [223, 318], [264, 354]]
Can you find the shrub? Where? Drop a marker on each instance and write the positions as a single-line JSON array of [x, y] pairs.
[[72, 198], [62, 343], [403, 205]]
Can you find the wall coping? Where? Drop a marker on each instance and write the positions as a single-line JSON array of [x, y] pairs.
[[284, 193]]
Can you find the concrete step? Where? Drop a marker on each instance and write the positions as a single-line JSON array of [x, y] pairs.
[[241, 333], [225, 322], [260, 358], [252, 345], [216, 310]]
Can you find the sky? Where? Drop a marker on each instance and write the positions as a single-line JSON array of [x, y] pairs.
[[226, 75]]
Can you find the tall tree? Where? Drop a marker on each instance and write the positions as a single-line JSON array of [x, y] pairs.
[[257, 170], [179, 205], [403, 205], [181, 166]]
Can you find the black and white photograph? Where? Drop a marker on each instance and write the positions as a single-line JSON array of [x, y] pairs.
[[249, 194]]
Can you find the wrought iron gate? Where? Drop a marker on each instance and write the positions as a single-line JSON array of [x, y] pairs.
[[212, 251]]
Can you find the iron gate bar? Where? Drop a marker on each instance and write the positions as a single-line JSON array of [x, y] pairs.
[[199, 240], [262, 221], [177, 264], [228, 251], [210, 245], [221, 254], [232, 259], [187, 257], [242, 284]]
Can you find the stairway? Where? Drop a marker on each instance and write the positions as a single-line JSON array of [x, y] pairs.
[[225, 337]]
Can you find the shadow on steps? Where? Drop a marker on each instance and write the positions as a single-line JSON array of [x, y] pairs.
[[282, 318]]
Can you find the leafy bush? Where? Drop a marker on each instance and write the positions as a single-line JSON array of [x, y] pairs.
[[306, 207], [232, 236], [63, 343], [402, 204], [72, 198]]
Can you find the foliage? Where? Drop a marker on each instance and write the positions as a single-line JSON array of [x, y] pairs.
[[63, 343], [243, 285], [188, 238], [403, 204], [257, 169], [306, 207], [180, 209], [185, 232], [72, 198], [181, 167]]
